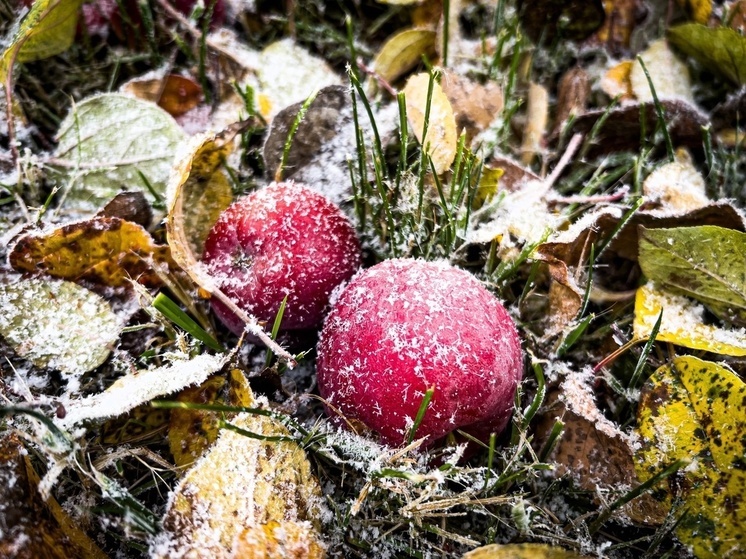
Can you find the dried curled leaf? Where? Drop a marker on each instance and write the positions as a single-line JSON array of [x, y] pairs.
[[694, 410], [57, 324], [30, 527], [705, 263], [106, 250], [242, 483], [521, 551], [112, 142], [683, 323], [441, 140]]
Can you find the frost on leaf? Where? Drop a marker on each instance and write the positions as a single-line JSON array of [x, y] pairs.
[[669, 75], [57, 324], [141, 387], [106, 250], [111, 142], [694, 410], [243, 484], [683, 323], [675, 188]]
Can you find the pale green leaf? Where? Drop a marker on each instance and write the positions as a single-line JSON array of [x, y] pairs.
[[111, 142], [706, 263], [57, 324], [720, 49]]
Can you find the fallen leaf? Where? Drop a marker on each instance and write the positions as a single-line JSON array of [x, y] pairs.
[[134, 389], [705, 263], [129, 206], [287, 540], [31, 528], [402, 52], [537, 114], [108, 143], [675, 188], [173, 93], [698, 10], [192, 431], [573, 92], [105, 250], [441, 139], [720, 49], [48, 29], [57, 324], [694, 410], [622, 18], [615, 82], [669, 75], [521, 551], [546, 20], [683, 323], [242, 483], [475, 105], [142, 424]]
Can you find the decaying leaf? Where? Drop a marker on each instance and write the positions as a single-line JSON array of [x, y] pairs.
[[243, 487], [475, 105], [141, 387], [106, 250], [31, 528], [112, 142], [705, 263], [441, 139], [521, 551], [720, 49], [694, 410], [57, 324], [129, 206], [48, 29], [402, 52], [573, 92], [192, 431], [669, 75], [683, 323], [173, 93], [622, 17]]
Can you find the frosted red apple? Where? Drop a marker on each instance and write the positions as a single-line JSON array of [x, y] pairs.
[[404, 326], [282, 240]]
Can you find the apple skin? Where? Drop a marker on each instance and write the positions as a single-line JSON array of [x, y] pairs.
[[404, 326], [283, 240]]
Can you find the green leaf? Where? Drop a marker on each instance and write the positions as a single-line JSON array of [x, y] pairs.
[[48, 29], [107, 141], [695, 411], [721, 49], [706, 263], [58, 324]]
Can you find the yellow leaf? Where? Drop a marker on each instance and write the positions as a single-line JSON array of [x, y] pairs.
[[694, 410], [521, 551], [682, 323], [698, 10], [441, 140], [242, 483], [615, 82], [48, 29], [402, 52], [107, 250]]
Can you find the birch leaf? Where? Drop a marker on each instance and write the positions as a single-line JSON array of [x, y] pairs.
[[695, 410], [112, 142], [57, 324], [683, 323], [706, 263]]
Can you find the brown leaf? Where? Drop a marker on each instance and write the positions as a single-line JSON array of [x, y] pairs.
[[622, 17], [573, 91], [546, 19], [105, 250], [474, 105], [129, 206], [173, 93], [29, 527]]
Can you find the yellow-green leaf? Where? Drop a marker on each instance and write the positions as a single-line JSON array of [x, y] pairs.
[[521, 551], [706, 263], [682, 323], [48, 29], [694, 410], [720, 49], [402, 52]]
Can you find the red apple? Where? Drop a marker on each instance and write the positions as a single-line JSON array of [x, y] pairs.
[[282, 240], [404, 326]]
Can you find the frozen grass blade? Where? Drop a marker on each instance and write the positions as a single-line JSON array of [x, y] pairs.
[[619, 226], [424, 148], [420, 413], [291, 134], [637, 373], [659, 111], [276, 330], [574, 335], [168, 308]]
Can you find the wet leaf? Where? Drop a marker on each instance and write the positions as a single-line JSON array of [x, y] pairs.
[[441, 140], [720, 49], [683, 323], [106, 250], [173, 93], [31, 528], [669, 75], [48, 29], [57, 324], [242, 483], [402, 52], [192, 431], [521, 551], [141, 387], [705, 263], [112, 142], [696, 411]]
